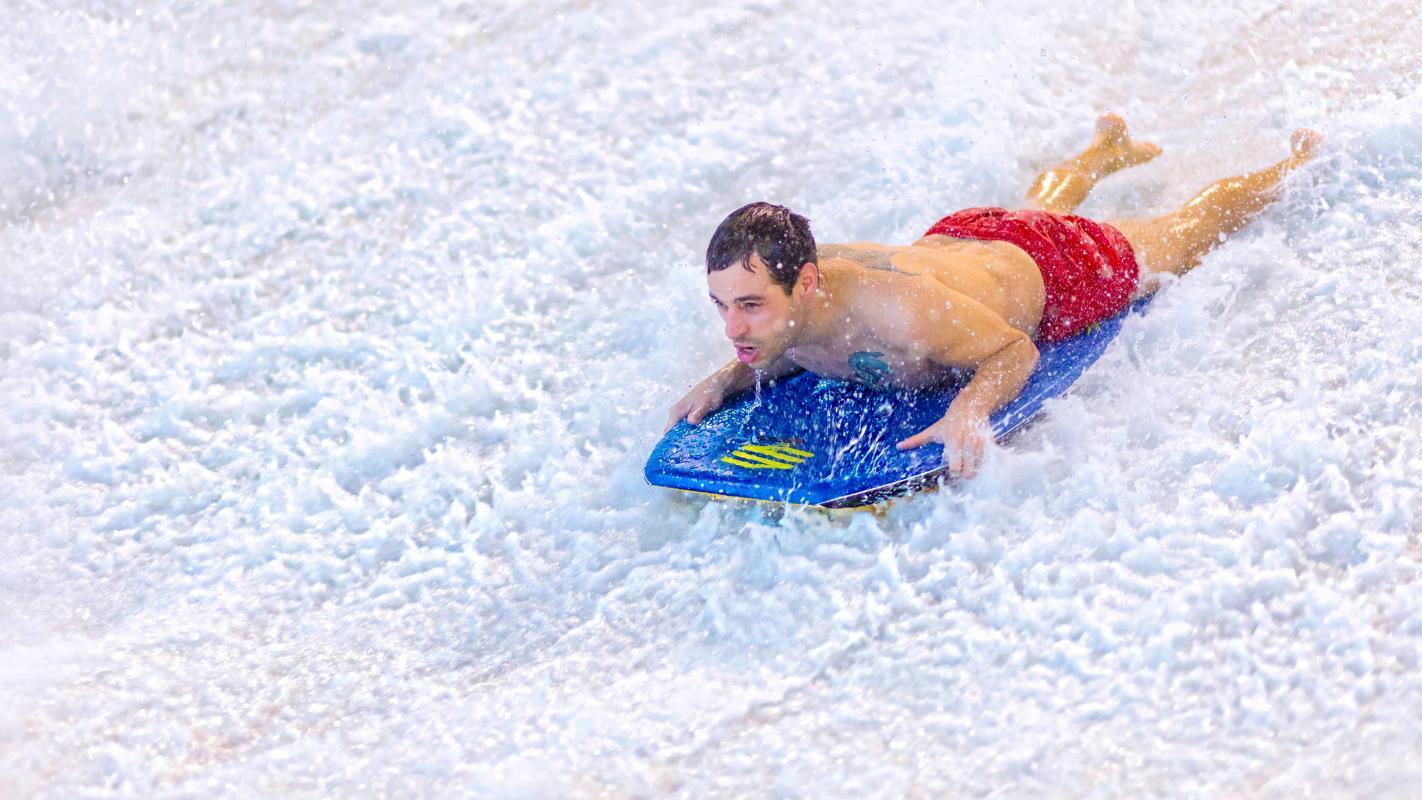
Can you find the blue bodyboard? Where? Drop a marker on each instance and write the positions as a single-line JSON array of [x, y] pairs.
[[812, 441]]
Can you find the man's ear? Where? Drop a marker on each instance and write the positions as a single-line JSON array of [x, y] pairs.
[[809, 280]]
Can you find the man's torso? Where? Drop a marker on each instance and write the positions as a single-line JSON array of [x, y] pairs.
[[879, 296]]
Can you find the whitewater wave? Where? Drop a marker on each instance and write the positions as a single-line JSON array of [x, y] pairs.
[[334, 338]]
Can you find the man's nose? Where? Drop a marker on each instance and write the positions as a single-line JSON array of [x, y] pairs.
[[735, 325]]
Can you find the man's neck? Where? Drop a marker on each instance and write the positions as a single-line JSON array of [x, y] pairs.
[[819, 309]]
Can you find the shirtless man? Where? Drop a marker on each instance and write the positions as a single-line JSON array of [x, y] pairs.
[[972, 295]]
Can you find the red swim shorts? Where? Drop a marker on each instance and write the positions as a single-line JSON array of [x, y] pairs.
[[1088, 268]]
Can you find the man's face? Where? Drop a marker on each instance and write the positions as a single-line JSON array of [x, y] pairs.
[[759, 316]]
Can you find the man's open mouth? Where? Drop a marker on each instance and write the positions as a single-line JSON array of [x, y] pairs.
[[746, 354]]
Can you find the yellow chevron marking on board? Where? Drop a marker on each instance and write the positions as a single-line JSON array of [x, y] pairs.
[[767, 456], [784, 451], [752, 465], [757, 462]]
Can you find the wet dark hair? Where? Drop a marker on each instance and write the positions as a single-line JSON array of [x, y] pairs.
[[778, 235]]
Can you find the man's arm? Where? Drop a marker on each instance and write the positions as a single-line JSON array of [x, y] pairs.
[[708, 395], [967, 335]]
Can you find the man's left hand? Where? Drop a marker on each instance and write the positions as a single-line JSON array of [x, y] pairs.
[[964, 438]]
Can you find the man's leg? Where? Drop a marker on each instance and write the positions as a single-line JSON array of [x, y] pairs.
[[1062, 187], [1175, 243]]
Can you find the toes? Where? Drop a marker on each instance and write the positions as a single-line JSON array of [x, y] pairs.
[[1141, 152], [1304, 142], [1138, 153]]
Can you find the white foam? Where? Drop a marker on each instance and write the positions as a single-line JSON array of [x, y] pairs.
[[332, 354]]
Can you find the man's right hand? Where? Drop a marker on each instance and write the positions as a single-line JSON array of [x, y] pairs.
[[708, 395], [703, 398]]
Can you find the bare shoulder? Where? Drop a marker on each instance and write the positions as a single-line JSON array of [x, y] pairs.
[[893, 304], [951, 327]]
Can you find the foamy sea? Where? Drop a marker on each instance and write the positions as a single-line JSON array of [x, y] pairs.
[[334, 336]]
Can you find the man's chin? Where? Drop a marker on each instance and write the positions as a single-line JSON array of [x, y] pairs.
[[757, 357]]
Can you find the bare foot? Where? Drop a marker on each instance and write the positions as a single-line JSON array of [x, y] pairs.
[[1304, 144], [1115, 147]]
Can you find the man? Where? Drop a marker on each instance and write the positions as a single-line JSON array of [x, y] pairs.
[[972, 295]]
